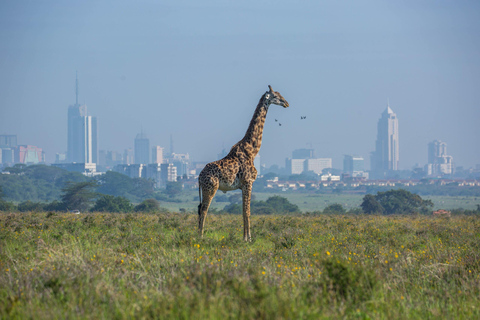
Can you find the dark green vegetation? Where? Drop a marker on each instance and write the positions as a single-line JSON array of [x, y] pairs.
[[93, 266], [43, 183], [275, 204], [396, 202]]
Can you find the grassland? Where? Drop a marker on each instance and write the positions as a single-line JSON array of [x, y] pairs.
[[98, 266]]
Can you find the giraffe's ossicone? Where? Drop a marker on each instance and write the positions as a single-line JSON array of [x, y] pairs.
[[236, 170]]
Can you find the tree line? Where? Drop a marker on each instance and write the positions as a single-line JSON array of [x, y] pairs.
[[41, 183], [82, 196]]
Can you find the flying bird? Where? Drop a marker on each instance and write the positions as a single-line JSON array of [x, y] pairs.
[[303, 117], [276, 120]]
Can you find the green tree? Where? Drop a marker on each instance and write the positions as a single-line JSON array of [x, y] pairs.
[[335, 208], [398, 201], [148, 205], [281, 205], [30, 206], [143, 188], [108, 203], [115, 184], [79, 196], [54, 206], [174, 188], [370, 205], [402, 201]]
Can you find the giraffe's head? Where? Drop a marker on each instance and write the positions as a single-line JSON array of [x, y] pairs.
[[273, 97]]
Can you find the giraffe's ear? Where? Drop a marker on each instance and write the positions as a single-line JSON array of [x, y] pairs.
[[270, 88]]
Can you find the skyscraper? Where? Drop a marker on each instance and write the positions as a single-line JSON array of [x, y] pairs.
[[386, 155], [352, 164], [8, 145], [142, 149], [439, 162], [82, 133], [157, 154]]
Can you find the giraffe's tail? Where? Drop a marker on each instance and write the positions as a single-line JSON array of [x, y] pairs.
[[200, 198]]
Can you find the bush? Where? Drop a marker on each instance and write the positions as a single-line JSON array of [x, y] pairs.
[[398, 201], [335, 208], [348, 282], [108, 203], [148, 206], [30, 206], [7, 206], [275, 204]]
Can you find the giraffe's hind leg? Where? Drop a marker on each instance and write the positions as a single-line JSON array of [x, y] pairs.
[[246, 196], [208, 192]]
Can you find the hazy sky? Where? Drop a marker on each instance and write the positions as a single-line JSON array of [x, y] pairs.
[[196, 69]]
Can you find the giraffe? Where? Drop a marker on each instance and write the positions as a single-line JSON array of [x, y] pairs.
[[236, 170]]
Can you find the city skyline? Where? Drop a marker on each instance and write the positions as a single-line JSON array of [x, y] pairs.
[[195, 71]]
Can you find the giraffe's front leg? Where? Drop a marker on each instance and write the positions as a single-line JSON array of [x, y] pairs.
[[246, 195]]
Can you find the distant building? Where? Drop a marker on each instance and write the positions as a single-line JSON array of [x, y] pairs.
[[159, 173], [27, 154], [181, 162], [60, 157], [157, 154], [8, 156], [303, 154], [329, 177], [132, 170], [8, 144], [439, 163], [385, 158], [112, 158], [8, 140], [87, 169], [353, 164], [128, 156], [82, 134], [102, 157], [317, 165], [142, 149], [294, 166], [153, 171], [168, 173]]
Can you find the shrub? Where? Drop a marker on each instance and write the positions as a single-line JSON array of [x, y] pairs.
[[349, 282], [148, 206], [108, 203], [335, 208]]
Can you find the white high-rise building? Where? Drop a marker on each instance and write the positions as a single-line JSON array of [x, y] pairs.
[[157, 154], [82, 134], [385, 158]]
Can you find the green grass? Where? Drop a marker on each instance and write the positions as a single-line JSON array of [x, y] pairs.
[[297, 267]]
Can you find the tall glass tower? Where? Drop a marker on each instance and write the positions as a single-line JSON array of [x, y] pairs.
[[385, 158], [142, 149], [82, 133]]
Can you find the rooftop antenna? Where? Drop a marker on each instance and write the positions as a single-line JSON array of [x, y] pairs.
[[76, 87], [171, 144]]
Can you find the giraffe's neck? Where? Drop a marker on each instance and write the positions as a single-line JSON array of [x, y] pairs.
[[252, 141]]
